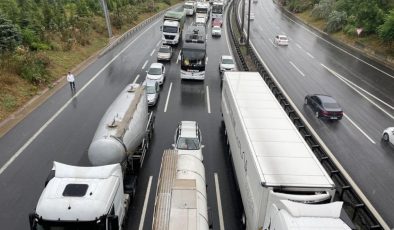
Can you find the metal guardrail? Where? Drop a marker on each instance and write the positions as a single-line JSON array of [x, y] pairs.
[[353, 204]]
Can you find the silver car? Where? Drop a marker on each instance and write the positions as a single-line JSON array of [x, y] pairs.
[[165, 53], [388, 135], [152, 92], [216, 31], [226, 63]]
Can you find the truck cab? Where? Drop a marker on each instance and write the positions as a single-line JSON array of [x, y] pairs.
[[171, 32], [82, 198]]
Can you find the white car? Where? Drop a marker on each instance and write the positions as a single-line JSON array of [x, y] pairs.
[[156, 72], [165, 53], [216, 31], [388, 135], [226, 63], [188, 139], [281, 40], [152, 91]]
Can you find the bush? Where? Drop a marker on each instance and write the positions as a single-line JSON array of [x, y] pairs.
[[298, 6], [336, 21], [323, 9], [34, 69], [386, 30]]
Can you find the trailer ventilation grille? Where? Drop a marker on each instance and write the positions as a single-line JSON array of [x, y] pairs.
[[76, 190]]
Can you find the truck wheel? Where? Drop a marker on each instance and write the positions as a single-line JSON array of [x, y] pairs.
[[385, 137]]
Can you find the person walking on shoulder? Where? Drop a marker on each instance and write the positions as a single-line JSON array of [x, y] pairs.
[[71, 80]]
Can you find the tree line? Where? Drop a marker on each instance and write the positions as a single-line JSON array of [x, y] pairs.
[[371, 17], [28, 26]]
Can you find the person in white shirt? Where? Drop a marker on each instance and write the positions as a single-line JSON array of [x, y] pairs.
[[71, 80]]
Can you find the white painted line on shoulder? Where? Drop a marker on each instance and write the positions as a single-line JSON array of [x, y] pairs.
[[136, 78], [295, 67], [168, 98], [151, 53], [145, 204], [208, 101], [206, 61], [31, 139], [354, 87], [298, 45], [310, 55], [146, 62], [359, 129], [158, 43], [219, 201]]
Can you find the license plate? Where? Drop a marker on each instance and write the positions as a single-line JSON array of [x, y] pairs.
[[334, 118]]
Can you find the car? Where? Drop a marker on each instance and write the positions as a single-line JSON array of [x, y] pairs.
[[152, 91], [187, 139], [226, 63], [324, 106], [388, 135], [156, 72], [216, 31], [281, 40], [165, 53], [217, 22]]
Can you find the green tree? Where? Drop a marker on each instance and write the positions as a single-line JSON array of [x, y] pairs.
[[10, 36], [323, 9], [336, 21], [386, 30], [9, 9]]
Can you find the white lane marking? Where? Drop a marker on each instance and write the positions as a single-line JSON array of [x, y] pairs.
[[208, 102], [310, 55], [339, 48], [295, 67], [145, 204], [298, 45], [272, 42], [219, 200], [31, 139], [146, 62], [178, 57], [358, 127], [327, 150], [158, 43], [206, 61], [136, 78], [353, 86], [153, 51], [168, 97]]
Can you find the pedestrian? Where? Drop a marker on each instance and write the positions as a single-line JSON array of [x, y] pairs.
[[71, 80]]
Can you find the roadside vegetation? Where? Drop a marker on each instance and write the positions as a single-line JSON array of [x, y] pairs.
[[40, 40], [373, 19]]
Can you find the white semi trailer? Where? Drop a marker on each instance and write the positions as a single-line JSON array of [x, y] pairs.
[[181, 197], [97, 197], [282, 184]]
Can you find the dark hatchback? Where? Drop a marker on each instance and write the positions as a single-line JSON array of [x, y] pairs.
[[324, 106]]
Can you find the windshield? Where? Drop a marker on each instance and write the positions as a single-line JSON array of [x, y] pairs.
[[164, 50], [228, 61], [331, 105], [154, 71], [202, 10], [80, 225], [193, 54], [188, 143], [170, 29], [150, 89], [188, 6], [217, 9]]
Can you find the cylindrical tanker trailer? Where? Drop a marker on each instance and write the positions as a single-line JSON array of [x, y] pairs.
[[125, 130]]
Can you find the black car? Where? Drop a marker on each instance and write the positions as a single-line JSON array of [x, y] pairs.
[[324, 106]]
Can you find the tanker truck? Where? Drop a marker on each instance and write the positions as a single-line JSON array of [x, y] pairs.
[[97, 197], [282, 184]]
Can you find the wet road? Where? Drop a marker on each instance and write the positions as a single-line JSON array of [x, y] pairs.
[[313, 64], [62, 128]]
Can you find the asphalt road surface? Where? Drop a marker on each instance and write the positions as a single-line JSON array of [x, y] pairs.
[[62, 128], [365, 89]]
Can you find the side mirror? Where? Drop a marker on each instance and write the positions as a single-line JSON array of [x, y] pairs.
[[113, 222], [202, 146], [173, 145], [32, 221]]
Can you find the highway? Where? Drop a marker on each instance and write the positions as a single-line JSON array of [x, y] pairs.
[[62, 128], [314, 64]]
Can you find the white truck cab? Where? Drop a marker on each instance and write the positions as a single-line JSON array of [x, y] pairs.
[[171, 32], [82, 198]]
